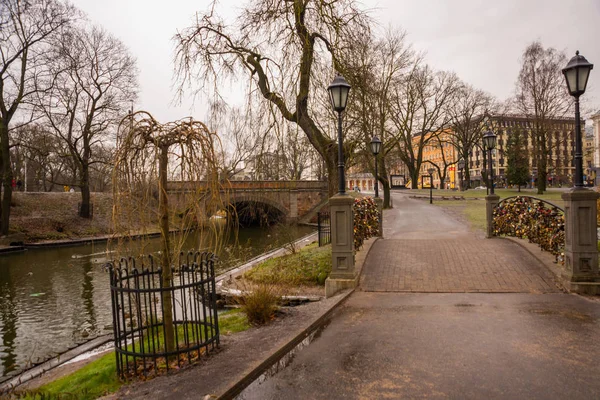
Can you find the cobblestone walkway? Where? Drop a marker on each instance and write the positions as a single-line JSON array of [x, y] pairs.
[[455, 266]]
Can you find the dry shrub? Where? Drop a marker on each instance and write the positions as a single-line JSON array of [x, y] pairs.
[[260, 304]]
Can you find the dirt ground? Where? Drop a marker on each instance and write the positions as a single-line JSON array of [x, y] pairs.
[[39, 216]]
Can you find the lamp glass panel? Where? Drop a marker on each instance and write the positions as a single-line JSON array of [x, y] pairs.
[[571, 76], [584, 74], [375, 146], [332, 98], [343, 96], [486, 142]]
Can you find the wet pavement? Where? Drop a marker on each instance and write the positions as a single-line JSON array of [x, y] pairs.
[[447, 342], [449, 346]]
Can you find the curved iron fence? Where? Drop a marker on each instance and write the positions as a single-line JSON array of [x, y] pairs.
[[538, 220], [138, 313]]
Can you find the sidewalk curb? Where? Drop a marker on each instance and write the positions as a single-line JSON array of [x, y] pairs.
[[244, 382]]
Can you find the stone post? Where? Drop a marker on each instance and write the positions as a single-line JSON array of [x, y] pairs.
[[379, 202], [343, 275], [491, 201], [580, 273]]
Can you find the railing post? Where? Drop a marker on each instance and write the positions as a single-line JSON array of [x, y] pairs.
[[491, 201], [580, 273]]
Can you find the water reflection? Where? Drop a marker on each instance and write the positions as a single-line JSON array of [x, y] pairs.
[[51, 299], [8, 318]]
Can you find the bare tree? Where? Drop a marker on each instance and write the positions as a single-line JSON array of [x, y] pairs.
[[467, 113], [541, 95], [279, 48], [93, 80], [241, 136], [26, 26], [142, 161], [376, 66], [46, 157], [420, 113]]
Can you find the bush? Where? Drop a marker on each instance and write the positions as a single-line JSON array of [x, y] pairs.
[[366, 220], [260, 304]]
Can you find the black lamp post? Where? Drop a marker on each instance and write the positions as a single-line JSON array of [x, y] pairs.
[[375, 149], [576, 74], [461, 166], [431, 171], [338, 94], [489, 143]]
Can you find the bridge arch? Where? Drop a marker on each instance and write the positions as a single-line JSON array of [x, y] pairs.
[[253, 208]]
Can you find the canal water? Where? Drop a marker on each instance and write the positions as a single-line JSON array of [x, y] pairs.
[[54, 298]]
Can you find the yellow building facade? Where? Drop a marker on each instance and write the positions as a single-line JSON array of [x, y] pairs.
[[440, 154]]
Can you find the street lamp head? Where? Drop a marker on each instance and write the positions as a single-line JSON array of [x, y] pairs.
[[375, 145], [461, 164], [576, 74], [338, 93], [489, 140], [431, 171]]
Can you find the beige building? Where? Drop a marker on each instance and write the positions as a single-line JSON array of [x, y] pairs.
[[561, 145]]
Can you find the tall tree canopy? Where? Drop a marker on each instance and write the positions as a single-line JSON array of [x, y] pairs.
[[542, 96], [285, 50], [26, 27]]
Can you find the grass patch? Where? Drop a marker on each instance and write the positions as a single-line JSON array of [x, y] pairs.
[[309, 266], [96, 379], [472, 210], [233, 321], [99, 377]]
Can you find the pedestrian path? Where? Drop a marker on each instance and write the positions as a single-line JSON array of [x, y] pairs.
[[426, 250], [454, 266]]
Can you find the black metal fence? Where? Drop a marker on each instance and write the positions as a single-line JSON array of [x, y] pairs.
[[138, 305], [324, 228]]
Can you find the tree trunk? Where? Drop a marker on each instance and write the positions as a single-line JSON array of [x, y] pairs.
[[542, 175], [6, 179], [167, 273], [414, 179], [386, 194], [84, 185]]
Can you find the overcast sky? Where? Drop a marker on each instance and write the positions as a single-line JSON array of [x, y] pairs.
[[482, 41]]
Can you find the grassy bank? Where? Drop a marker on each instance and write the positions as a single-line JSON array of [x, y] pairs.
[[99, 377], [309, 266]]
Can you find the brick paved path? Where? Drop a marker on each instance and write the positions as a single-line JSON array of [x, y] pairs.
[[427, 250], [453, 265]]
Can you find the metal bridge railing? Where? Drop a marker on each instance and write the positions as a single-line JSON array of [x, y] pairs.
[[324, 228], [538, 220]]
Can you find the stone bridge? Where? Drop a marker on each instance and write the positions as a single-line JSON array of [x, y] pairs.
[[292, 200]]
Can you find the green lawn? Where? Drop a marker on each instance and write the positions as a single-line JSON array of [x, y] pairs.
[[472, 210], [551, 195], [99, 377]]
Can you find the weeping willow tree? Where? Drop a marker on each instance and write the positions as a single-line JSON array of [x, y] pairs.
[[149, 154]]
